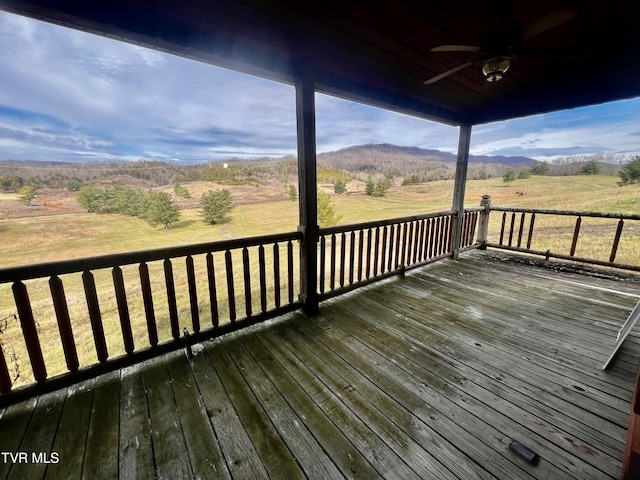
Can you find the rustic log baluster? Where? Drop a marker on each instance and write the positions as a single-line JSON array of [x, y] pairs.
[[352, 247], [391, 247], [343, 253], [530, 234], [332, 263], [193, 294], [323, 260], [171, 299], [407, 258], [123, 310], [431, 228], [504, 220], [521, 229], [263, 279], [360, 253], [147, 299], [64, 323], [423, 238], [576, 232], [276, 274], [95, 317], [438, 238], [213, 294], [29, 331], [247, 282], [616, 241], [513, 222], [376, 251], [384, 250], [398, 246], [290, 271], [368, 259], [403, 253], [230, 287]]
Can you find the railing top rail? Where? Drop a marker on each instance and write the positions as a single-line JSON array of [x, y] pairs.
[[40, 270], [573, 213], [381, 223]]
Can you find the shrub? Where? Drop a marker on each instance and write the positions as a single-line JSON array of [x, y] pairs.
[[509, 177], [215, 205], [630, 173], [27, 194], [181, 191], [159, 209], [326, 211], [340, 187]]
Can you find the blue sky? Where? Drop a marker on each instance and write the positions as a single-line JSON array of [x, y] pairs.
[[70, 96]]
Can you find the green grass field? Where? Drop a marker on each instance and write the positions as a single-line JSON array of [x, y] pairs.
[[51, 238]]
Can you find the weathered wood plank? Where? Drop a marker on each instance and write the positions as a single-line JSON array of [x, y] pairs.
[[339, 448], [205, 455], [273, 452], [300, 441], [477, 404], [239, 452], [135, 449], [384, 460], [71, 436], [169, 449], [38, 437], [13, 425], [476, 439], [103, 436], [520, 364], [557, 345], [588, 444], [378, 409]]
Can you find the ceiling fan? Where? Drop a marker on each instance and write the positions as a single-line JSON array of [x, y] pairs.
[[500, 47]]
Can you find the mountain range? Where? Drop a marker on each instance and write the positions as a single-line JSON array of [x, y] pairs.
[[390, 151]]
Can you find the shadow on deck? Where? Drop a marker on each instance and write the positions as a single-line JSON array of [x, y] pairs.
[[430, 376]]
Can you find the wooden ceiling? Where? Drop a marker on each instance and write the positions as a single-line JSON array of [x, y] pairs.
[[379, 52]]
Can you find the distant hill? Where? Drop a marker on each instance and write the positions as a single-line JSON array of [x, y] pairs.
[[390, 151]]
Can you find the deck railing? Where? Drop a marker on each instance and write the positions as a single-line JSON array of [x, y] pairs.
[[106, 312], [156, 300], [355, 255], [98, 314], [607, 239]]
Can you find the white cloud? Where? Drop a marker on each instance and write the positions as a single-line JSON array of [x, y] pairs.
[[67, 93]]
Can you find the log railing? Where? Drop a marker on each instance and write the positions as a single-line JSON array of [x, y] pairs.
[[107, 312], [185, 294], [604, 239], [354, 255]]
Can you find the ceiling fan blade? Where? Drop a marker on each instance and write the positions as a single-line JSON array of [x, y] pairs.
[[547, 22], [447, 73], [456, 48]]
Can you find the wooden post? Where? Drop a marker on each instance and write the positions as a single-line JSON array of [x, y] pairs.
[[459, 187], [483, 224], [307, 187]]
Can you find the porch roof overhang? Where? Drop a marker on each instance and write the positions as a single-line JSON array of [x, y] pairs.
[[379, 52]]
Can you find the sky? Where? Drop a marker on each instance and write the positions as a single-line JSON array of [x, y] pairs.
[[67, 95]]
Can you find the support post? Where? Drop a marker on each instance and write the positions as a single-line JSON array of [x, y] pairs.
[[483, 223], [459, 187], [307, 186]]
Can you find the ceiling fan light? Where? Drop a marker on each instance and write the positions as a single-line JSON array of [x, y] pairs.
[[495, 67]]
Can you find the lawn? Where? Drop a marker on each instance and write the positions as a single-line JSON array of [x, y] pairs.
[[59, 237]]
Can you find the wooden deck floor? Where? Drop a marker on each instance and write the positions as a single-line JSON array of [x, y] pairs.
[[430, 376]]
